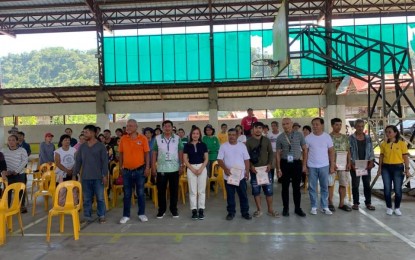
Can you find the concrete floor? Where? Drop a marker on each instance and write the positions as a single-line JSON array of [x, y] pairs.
[[359, 234]]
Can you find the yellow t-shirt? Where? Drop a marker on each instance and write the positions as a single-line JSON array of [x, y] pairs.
[[393, 152], [223, 138]]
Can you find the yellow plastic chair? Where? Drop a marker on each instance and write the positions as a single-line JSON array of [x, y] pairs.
[[70, 207], [7, 212], [37, 175], [153, 187], [213, 179], [4, 184], [116, 189], [183, 185], [47, 189], [221, 181], [218, 180]]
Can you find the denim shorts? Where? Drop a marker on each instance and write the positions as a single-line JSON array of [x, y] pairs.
[[268, 189]]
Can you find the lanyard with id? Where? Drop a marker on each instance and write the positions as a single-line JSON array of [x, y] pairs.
[[290, 155], [168, 155]]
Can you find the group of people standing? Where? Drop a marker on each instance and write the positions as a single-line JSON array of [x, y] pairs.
[[242, 155]]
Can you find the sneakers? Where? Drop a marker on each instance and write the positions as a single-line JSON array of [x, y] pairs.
[[194, 214], [201, 214], [313, 211], [389, 211], [398, 212], [102, 220], [230, 216], [124, 220], [326, 211], [175, 214], [160, 215], [143, 218]]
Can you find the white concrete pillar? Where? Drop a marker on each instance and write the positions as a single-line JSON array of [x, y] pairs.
[[335, 108], [213, 108], [102, 117], [103, 121], [2, 133]]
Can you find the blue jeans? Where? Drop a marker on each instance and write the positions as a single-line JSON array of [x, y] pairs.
[[392, 173], [134, 179], [91, 188], [242, 194], [321, 175], [268, 189]]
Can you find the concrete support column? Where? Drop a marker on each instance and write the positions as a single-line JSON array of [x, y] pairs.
[[102, 117], [335, 107], [213, 107], [2, 140]]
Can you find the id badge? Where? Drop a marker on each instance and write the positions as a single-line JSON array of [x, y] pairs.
[[168, 156], [290, 158]]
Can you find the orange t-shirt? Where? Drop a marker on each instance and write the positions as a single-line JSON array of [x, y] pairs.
[[133, 151]]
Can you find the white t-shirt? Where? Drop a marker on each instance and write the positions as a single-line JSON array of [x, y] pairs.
[[273, 138], [318, 145], [67, 160], [234, 156], [242, 139]]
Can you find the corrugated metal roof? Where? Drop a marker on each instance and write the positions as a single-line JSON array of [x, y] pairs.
[[166, 92]]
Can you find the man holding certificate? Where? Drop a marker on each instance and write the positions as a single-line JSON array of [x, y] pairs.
[[233, 158], [290, 147], [361, 152], [261, 156], [342, 149]]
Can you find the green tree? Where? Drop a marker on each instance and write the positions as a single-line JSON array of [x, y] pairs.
[[295, 113], [50, 67]]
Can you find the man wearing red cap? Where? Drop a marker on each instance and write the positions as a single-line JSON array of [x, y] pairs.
[[47, 149]]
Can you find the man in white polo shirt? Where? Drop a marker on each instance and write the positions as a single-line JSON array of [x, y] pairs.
[[234, 155]]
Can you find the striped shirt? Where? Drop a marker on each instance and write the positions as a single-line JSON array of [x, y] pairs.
[[16, 160], [296, 141]]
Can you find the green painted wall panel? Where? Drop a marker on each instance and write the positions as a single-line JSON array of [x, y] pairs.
[[109, 68], [156, 54], [120, 60], [132, 60], [180, 57], [168, 58], [204, 57], [144, 60]]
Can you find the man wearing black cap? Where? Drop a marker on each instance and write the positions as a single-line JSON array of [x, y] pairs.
[[248, 122]]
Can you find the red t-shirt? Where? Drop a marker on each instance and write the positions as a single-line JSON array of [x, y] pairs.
[[247, 122]]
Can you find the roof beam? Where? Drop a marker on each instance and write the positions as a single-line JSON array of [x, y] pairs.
[[5, 31], [97, 13]]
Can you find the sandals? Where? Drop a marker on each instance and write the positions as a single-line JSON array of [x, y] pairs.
[[345, 208], [370, 207], [257, 214], [274, 214], [355, 207]]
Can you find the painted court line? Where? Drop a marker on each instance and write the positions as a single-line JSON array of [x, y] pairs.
[[179, 236], [389, 229]]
